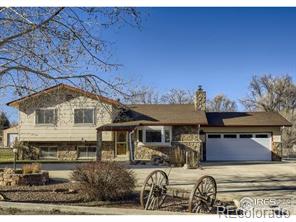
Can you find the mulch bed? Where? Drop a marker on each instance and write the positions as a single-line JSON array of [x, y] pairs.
[[56, 193], [68, 193]]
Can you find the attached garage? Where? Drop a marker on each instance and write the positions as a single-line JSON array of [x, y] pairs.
[[238, 146]]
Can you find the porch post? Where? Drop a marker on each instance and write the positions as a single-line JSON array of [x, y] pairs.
[[99, 146]]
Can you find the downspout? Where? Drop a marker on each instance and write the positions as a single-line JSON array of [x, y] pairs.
[[131, 145]]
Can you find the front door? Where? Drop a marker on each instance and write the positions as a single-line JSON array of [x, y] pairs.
[[121, 143]]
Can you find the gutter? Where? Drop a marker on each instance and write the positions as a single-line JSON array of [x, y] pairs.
[[131, 144]]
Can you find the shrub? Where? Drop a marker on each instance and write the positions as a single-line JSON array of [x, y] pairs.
[[27, 169], [104, 181], [31, 168], [36, 167]]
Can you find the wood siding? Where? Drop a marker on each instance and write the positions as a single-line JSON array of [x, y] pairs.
[[64, 128]]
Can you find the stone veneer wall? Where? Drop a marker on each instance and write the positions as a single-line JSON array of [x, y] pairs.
[[9, 178], [184, 138], [69, 151], [276, 152]]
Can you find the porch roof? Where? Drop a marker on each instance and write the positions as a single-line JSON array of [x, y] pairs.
[[125, 126]]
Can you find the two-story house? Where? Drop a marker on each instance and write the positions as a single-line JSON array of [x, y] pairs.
[[61, 121], [67, 123]]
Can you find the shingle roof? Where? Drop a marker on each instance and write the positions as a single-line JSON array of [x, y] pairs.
[[174, 114], [158, 114], [246, 119], [67, 87]]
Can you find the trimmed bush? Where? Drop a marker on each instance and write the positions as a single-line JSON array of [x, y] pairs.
[[104, 181]]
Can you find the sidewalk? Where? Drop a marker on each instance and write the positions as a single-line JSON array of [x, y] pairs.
[[83, 210]]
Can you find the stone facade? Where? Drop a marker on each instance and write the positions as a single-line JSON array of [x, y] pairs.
[[276, 154], [200, 100], [184, 139], [10, 178], [69, 151]]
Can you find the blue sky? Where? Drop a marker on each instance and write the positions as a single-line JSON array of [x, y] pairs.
[[219, 48]]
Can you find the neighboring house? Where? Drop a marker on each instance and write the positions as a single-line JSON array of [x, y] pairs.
[[61, 122], [10, 135]]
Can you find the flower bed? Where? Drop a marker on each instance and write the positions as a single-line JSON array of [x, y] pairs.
[[9, 177]]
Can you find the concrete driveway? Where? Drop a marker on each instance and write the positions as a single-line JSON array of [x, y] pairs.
[[261, 180]]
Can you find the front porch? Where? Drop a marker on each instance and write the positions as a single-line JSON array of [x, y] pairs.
[[160, 145]]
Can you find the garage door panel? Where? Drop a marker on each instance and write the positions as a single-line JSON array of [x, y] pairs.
[[238, 149]]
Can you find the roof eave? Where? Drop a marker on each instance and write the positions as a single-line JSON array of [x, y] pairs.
[[15, 103]]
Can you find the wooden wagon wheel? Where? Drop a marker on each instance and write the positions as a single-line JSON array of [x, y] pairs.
[[203, 195], [154, 190]]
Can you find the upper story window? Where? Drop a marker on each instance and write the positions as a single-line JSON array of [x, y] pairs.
[[84, 116], [45, 116], [155, 135]]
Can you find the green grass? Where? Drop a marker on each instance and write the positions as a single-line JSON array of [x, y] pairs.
[[6, 155]]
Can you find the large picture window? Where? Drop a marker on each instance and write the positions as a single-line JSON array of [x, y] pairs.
[[45, 116], [155, 135], [84, 116]]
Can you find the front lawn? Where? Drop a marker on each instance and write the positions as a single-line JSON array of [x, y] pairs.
[[6, 155]]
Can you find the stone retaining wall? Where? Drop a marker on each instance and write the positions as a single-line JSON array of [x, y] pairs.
[[9, 178]]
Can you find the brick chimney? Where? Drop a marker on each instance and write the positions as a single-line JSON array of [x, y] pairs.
[[200, 99]]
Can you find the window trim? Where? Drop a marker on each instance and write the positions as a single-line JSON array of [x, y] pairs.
[[162, 129], [85, 124], [46, 124], [48, 158], [86, 158]]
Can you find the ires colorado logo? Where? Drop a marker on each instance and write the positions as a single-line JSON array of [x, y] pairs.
[[249, 207]]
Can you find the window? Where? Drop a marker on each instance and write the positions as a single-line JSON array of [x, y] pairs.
[[245, 136], [153, 136], [229, 136], [45, 116], [87, 152], [261, 136], [48, 152], [83, 116], [167, 136], [140, 135], [214, 136], [121, 143]]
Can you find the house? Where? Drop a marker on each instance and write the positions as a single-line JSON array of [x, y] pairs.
[[61, 121], [65, 122], [10, 135]]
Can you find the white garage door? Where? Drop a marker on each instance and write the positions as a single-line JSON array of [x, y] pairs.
[[242, 146]]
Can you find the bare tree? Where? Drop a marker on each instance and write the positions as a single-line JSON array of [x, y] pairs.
[[177, 96], [221, 103], [46, 46], [269, 93], [142, 95], [4, 122]]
